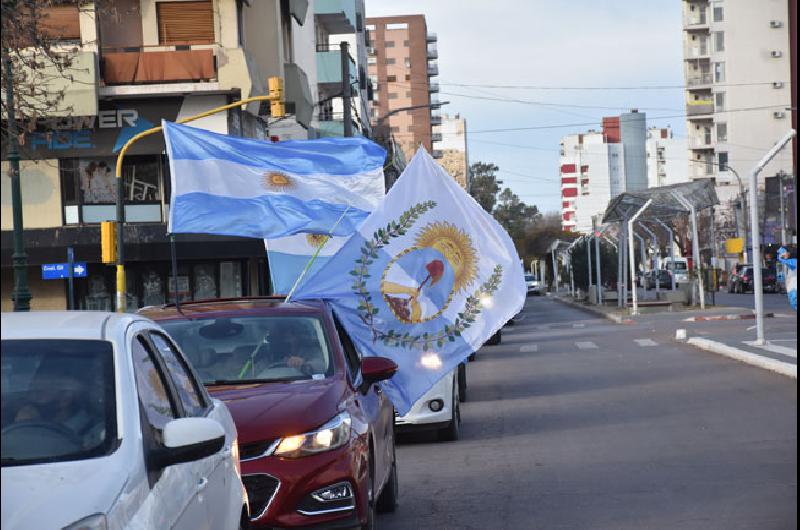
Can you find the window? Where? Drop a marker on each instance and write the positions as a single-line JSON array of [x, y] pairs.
[[408, 77], [351, 356], [391, 79], [399, 25], [719, 72], [390, 60], [389, 44], [719, 14], [392, 95], [406, 43], [722, 132], [372, 60], [185, 384], [370, 27], [719, 41], [185, 22], [719, 101], [722, 161], [156, 401], [408, 93], [407, 62]]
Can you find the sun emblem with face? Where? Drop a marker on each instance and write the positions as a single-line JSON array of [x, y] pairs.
[[419, 283], [315, 240], [277, 181]]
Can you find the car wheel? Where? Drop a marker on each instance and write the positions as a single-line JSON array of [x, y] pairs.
[[387, 500], [495, 339], [370, 524], [452, 432], [462, 382]]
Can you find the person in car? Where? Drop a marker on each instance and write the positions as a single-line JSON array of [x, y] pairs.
[[296, 348]]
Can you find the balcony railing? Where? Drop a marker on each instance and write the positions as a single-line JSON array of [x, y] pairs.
[[436, 137], [700, 107], [699, 79], [701, 142], [433, 70], [436, 120], [433, 87], [329, 66], [433, 51], [143, 66], [431, 37], [698, 52], [696, 21], [437, 153]]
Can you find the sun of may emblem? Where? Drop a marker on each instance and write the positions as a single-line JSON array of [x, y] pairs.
[[315, 240], [418, 284], [276, 181]]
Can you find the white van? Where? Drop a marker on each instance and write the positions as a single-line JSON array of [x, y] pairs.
[[679, 268]]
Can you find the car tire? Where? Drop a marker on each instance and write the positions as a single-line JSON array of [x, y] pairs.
[[370, 523], [462, 382], [495, 339], [387, 500], [452, 432]]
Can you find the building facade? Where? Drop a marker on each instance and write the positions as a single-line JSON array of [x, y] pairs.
[[450, 142], [596, 166], [402, 64], [146, 61], [738, 96]]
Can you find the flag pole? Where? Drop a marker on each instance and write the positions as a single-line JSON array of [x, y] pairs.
[[314, 256]]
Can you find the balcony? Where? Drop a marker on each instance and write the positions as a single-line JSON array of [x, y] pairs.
[[437, 154], [433, 51], [433, 70], [436, 120], [696, 21], [79, 88], [436, 137], [431, 37], [329, 66], [335, 128], [699, 80], [700, 107], [701, 142], [702, 51], [338, 16], [433, 87], [155, 66]]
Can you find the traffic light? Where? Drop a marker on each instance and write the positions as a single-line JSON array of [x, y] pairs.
[[277, 109], [108, 242]]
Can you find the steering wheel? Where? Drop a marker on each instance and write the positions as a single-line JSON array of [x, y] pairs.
[[305, 368], [56, 428]]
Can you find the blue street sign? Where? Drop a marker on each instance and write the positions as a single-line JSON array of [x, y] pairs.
[[60, 271]]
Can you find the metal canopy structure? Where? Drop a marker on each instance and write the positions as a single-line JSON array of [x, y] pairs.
[[664, 205]]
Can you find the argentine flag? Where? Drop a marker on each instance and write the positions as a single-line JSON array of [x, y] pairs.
[[243, 187], [288, 256], [425, 280]]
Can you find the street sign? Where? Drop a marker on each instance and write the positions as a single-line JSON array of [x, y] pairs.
[[60, 271]]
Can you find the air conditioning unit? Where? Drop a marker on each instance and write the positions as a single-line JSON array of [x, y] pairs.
[[777, 84], [776, 53], [778, 114], [775, 24]]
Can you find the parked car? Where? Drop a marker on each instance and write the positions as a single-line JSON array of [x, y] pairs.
[[534, 285], [438, 410], [316, 432], [734, 276], [679, 267], [744, 281], [105, 425], [663, 277]]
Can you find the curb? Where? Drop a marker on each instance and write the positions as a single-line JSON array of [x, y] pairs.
[[618, 319], [779, 367], [745, 316]]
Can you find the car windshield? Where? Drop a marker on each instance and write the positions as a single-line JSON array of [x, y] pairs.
[[530, 278], [58, 400], [254, 349], [678, 266]]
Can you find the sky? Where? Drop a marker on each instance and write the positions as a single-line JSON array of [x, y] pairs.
[[559, 48]]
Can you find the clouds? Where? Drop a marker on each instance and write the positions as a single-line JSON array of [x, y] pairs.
[[581, 43]]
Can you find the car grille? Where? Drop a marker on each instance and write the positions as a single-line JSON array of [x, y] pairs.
[[255, 450], [261, 488]]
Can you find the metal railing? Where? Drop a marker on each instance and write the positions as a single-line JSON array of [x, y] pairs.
[[700, 79]]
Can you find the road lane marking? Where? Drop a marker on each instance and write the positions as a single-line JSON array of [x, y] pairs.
[[529, 348], [585, 345], [579, 325], [645, 342], [774, 348]]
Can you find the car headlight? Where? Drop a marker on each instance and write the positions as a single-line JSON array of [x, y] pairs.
[[333, 434], [93, 522]]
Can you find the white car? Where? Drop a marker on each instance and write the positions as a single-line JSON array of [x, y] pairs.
[[533, 284], [105, 426], [437, 410]]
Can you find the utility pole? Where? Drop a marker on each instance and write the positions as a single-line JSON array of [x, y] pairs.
[[781, 174], [20, 294], [348, 120]]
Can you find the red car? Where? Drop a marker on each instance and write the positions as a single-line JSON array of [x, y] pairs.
[[315, 432]]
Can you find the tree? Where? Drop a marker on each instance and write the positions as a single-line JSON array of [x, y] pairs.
[[483, 184], [514, 215]]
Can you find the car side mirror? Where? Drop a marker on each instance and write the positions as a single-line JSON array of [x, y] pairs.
[[374, 369], [189, 439]]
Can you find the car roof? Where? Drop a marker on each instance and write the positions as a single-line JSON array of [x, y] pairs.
[[257, 305], [93, 325]]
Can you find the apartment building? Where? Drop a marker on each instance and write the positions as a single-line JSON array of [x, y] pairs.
[[338, 21], [139, 63], [738, 93], [402, 65], [450, 143], [624, 156]]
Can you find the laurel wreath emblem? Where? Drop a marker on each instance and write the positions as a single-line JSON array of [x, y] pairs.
[[367, 310]]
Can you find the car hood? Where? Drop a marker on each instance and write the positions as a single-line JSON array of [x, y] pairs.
[[56, 495], [272, 410]]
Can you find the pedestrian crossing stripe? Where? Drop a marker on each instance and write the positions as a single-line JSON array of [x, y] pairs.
[[645, 342], [585, 345]]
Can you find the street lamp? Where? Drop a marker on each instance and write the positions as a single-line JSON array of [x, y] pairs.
[[743, 202], [20, 294]]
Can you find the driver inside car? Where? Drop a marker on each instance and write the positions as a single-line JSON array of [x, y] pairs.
[[296, 347]]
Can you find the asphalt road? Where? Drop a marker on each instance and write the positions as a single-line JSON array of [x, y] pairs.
[[576, 422]]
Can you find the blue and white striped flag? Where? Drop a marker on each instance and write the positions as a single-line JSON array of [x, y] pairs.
[[425, 280], [242, 187]]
